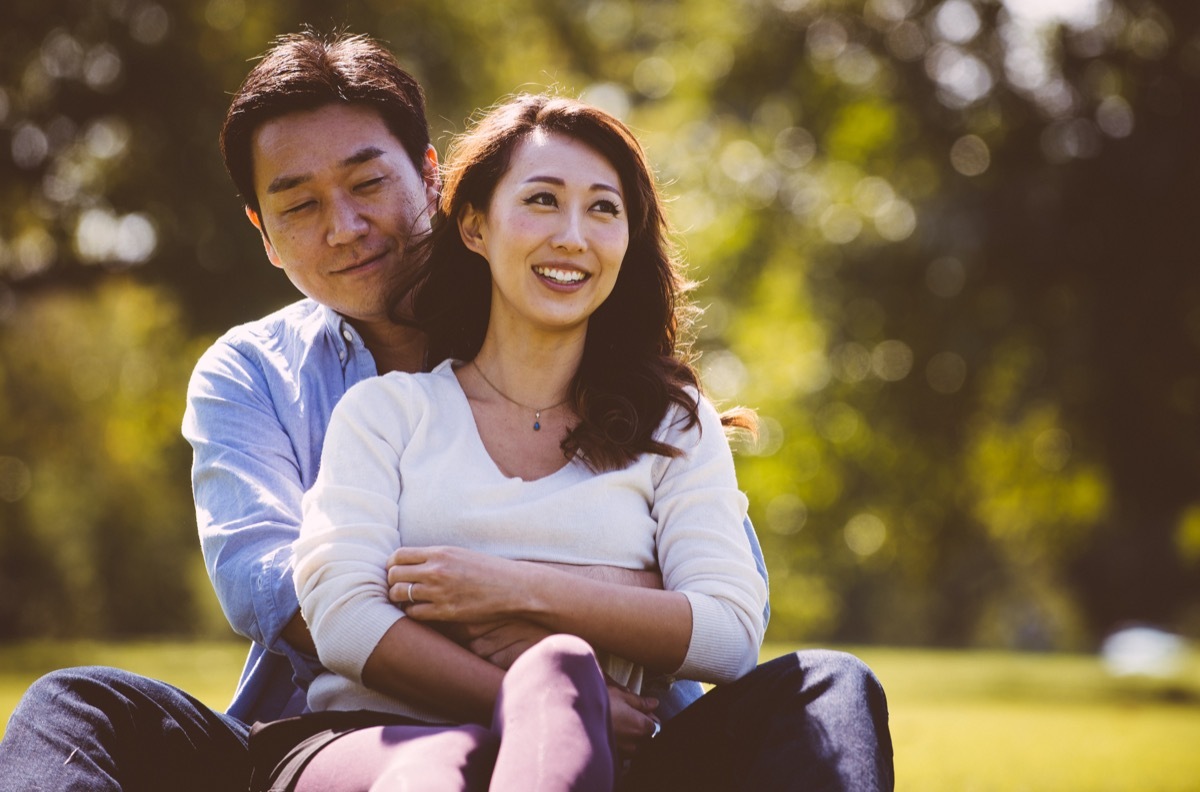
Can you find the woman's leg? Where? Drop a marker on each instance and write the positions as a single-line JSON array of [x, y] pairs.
[[403, 759], [553, 721]]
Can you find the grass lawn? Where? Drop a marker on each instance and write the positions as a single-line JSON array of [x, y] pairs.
[[961, 721]]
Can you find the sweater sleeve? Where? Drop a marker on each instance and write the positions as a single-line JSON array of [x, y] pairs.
[[703, 550], [350, 524]]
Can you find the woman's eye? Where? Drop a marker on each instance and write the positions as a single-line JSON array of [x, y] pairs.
[[608, 207], [542, 199]]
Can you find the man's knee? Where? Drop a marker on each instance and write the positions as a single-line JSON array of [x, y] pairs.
[[840, 669], [67, 688]]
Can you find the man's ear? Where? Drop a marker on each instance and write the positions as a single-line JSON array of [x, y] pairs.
[[432, 176], [470, 228], [256, 221]]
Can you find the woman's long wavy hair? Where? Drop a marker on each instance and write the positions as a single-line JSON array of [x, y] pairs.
[[634, 365]]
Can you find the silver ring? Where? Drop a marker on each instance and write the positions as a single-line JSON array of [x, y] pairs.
[[657, 729], [410, 596]]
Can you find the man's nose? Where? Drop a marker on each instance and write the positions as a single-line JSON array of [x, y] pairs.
[[345, 222]]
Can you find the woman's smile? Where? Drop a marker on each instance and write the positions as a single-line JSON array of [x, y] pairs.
[[558, 213]]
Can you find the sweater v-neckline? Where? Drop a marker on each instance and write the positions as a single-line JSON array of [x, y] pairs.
[[477, 436]]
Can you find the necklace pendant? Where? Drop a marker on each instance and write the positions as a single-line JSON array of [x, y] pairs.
[[537, 423]]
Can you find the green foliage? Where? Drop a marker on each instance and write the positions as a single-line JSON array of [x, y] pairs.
[[98, 525], [945, 247]]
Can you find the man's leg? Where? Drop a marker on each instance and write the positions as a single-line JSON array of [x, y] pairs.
[[96, 729], [809, 721]]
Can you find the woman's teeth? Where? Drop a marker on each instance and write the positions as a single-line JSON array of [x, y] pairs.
[[560, 275]]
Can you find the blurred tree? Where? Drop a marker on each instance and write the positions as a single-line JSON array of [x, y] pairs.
[[98, 526], [945, 245]]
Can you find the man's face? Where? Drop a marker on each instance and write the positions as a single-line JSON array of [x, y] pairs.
[[339, 200]]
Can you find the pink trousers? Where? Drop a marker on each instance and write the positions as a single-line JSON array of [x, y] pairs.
[[550, 732]]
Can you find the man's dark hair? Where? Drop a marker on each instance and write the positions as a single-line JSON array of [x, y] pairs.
[[305, 71]]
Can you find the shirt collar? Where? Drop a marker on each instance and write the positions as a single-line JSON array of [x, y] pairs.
[[344, 335]]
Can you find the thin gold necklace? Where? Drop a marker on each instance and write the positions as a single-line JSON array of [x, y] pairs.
[[537, 411]]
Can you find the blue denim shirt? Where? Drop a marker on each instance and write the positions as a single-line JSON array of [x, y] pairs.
[[258, 405]]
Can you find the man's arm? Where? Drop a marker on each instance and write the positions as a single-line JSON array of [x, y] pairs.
[[247, 487], [502, 642]]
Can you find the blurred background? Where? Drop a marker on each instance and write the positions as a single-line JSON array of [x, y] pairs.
[[948, 249]]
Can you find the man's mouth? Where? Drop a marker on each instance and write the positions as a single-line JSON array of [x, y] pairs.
[[359, 264], [564, 277]]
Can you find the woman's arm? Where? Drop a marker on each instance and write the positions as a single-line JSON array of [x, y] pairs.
[[415, 663], [349, 527], [707, 625], [646, 626]]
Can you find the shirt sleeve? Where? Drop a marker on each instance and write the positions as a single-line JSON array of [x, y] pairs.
[[704, 551], [247, 489], [350, 524]]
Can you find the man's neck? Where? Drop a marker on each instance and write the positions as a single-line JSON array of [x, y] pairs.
[[394, 347]]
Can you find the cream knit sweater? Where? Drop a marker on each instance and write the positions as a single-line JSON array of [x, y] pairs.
[[403, 464]]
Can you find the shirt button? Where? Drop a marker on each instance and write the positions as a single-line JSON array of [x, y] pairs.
[[346, 334]]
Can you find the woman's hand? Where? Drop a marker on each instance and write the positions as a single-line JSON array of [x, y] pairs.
[[453, 584]]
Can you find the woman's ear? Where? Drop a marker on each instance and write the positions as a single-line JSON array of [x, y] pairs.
[[470, 228]]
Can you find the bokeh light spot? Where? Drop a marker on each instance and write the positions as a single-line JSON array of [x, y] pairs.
[[946, 372], [840, 224], [1115, 117], [957, 21], [865, 534], [149, 24], [1052, 450], [102, 67], [30, 146], [15, 479], [786, 514], [608, 96], [970, 155], [891, 360], [945, 276], [654, 77], [224, 15]]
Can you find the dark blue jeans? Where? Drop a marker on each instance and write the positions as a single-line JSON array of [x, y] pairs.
[[814, 720], [97, 729]]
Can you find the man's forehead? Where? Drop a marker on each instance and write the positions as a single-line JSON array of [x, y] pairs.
[[333, 136]]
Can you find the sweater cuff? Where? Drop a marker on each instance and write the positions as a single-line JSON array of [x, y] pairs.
[[348, 638], [711, 655]]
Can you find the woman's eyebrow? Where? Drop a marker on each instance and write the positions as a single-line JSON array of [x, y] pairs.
[[561, 183]]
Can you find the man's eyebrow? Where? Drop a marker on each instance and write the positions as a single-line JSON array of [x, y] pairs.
[[284, 183], [560, 182]]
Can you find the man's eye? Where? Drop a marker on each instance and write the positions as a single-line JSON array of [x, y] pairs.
[[369, 183], [298, 207], [542, 199]]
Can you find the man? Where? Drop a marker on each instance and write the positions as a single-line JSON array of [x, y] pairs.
[[328, 145]]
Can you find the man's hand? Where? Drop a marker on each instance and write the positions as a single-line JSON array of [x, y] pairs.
[[500, 643], [633, 719], [495, 638]]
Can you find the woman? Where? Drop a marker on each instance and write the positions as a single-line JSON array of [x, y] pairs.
[[562, 428]]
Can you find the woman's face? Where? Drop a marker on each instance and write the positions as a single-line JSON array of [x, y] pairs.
[[554, 234]]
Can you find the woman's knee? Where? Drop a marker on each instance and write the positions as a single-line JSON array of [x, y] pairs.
[[565, 655]]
